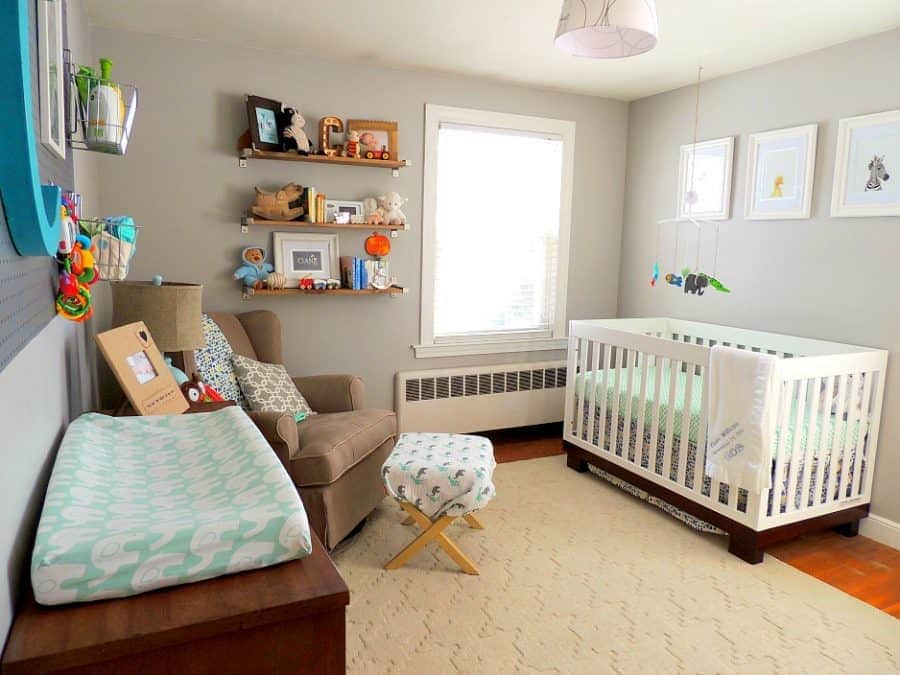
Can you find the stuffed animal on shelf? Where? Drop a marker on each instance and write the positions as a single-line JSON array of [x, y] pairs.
[[293, 138], [276, 281], [390, 205], [254, 269], [352, 148], [374, 213], [283, 204]]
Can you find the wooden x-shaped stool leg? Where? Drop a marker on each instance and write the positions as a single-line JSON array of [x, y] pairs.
[[433, 531]]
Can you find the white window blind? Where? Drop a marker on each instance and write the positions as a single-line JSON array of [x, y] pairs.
[[496, 232]]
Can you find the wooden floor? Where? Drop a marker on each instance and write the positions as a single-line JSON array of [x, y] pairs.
[[858, 565], [862, 567]]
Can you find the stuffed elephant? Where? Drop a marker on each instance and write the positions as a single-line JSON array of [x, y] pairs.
[[695, 283]]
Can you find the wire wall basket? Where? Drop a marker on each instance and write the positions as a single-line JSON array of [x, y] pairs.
[[101, 111], [116, 243]]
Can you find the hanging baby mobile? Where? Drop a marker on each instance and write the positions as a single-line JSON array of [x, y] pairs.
[[690, 279], [78, 271]]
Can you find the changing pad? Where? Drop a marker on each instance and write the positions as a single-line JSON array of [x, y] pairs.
[[139, 503]]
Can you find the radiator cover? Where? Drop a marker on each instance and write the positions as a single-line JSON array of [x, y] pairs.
[[481, 398]]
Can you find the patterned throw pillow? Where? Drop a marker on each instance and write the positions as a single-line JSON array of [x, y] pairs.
[[268, 387], [214, 363]]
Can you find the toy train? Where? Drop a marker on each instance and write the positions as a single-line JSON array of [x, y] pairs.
[[378, 154]]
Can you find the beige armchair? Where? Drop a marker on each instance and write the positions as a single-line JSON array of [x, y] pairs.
[[334, 457]]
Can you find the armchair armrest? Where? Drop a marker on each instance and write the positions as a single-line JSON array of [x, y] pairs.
[[333, 393], [280, 430]]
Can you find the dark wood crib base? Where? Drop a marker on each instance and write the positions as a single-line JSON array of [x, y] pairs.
[[744, 542]]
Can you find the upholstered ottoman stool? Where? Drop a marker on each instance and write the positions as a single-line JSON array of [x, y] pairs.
[[437, 478]]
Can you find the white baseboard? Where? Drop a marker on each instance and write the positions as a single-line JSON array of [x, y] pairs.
[[881, 529]]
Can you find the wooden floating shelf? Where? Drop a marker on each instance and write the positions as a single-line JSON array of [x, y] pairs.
[[250, 153], [393, 290], [250, 220]]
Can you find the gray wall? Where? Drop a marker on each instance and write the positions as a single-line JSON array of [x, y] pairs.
[[42, 388], [182, 183], [828, 278]]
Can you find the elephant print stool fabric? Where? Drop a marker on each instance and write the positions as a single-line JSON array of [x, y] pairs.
[[441, 474], [138, 503]]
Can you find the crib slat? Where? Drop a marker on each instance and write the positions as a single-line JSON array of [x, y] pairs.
[[827, 400], [616, 391], [674, 367], [639, 441], [700, 458], [629, 393], [795, 460], [849, 427], [687, 414], [812, 425], [583, 346], [604, 388], [595, 368], [836, 439], [787, 394], [653, 450], [862, 436]]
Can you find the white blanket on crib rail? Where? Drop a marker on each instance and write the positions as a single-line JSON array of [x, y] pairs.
[[742, 417]]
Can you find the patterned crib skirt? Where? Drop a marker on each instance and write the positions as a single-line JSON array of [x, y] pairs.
[[691, 469]]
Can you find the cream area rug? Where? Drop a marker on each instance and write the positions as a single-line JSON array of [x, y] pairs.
[[578, 577]]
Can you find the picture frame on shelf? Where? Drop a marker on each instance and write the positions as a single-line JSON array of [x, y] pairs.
[[780, 173], [262, 116], [867, 166], [300, 255], [335, 208], [710, 175], [51, 82], [377, 138]]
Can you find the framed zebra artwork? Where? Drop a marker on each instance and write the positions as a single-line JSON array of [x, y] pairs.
[[867, 159], [780, 170]]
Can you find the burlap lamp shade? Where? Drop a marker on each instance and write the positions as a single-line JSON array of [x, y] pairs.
[[172, 312]]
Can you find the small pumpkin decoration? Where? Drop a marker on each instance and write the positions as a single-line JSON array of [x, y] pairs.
[[378, 245]]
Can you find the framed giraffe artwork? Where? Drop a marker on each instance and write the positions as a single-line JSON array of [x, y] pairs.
[[780, 169], [867, 166]]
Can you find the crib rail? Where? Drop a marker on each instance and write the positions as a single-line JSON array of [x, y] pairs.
[[637, 396]]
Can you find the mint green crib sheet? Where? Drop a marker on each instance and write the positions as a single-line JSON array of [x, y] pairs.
[[139, 503], [607, 387]]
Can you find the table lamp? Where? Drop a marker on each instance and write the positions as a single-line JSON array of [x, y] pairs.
[[172, 312]]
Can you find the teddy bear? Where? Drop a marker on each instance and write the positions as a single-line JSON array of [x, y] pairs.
[[291, 123], [254, 269], [390, 206], [352, 149]]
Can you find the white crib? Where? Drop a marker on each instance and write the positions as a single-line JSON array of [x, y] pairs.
[[636, 408]]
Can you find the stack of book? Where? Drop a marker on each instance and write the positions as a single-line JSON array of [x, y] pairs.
[[353, 273], [357, 273], [313, 205]]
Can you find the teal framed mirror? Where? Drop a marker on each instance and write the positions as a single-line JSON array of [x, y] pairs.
[[31, 209]]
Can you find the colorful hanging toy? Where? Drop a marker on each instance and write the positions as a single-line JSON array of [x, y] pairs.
[[655, 276], [78, 270]]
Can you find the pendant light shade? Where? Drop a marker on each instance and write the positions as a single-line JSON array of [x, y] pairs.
[[607, 29]]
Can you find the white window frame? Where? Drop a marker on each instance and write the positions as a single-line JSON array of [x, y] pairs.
[[508, 342]]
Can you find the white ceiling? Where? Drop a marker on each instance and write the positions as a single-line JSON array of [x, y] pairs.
[[512, 40]]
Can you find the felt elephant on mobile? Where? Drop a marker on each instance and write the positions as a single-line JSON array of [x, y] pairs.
[[695, 283]]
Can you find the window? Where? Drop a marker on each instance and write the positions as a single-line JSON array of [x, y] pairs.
[[498, 192]]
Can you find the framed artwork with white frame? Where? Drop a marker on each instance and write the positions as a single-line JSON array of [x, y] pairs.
[[705, 170], [780, 173], [299, 256], [342, 211], [51, 76], [868, 156]]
